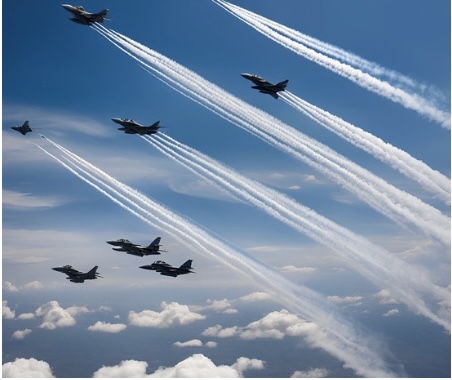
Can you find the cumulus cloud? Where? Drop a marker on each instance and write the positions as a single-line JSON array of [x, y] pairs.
[[219, 332], [211, 344], [356, 300], [313, 373], [54, 315], [275, 325], [125, 369], [391, 313], [33, 285], [255, 297], [194, 366], [9, 287], [173, 314], [190, 343], [385, 297], [30, 368], [21, 334], [107, 327], [7, 313]]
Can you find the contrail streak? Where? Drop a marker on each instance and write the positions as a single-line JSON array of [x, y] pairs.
[[385, 89], [374, 263], [398, 79], [336, 335], [431, 180], [396, 204]]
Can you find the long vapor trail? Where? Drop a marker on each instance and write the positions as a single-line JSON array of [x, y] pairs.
[[408, 100], [394, 203], [334, 334], [373, 68], [430, 179], [371, 261]]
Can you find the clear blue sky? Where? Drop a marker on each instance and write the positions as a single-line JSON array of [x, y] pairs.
[[69, 82]]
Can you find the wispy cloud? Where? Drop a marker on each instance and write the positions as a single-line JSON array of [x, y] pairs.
[[20, 200]]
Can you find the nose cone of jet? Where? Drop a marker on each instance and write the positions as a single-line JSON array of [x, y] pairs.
[[246, 75], [116, 120], [146, 267], [58, 269], [67, 7]]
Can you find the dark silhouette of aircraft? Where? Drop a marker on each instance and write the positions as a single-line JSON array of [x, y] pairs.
[[167, 270], [135, 249], [266, 87], [131, 127], [76, 276], [24, 129], [83, 17]]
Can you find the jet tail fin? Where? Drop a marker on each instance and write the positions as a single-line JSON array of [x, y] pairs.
[[155, 243], [283, 84], [187, 265]]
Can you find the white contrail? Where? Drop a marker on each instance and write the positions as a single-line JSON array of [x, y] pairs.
[[408, 100], [371, 261], [336, 335], [430, 179], [398, 79], [396, 204]]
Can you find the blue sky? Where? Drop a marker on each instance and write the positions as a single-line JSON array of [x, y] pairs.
[[69, 82]]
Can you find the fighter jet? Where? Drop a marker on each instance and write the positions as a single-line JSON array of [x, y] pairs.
[[168, 270], [76, 276], [24, 129], [131, 127], [121, 242], [135, 249], [266, 87], [83, 17]]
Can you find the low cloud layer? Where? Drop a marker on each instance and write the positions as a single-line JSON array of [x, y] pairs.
[[194, 366]]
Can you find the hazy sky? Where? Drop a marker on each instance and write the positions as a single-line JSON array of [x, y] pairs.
[[279, 320]]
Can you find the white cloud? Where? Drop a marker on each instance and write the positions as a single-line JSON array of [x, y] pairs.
[[125, 369], [255, 297], [21, 334], [195, 366], [219, 332], [230, 311], [386, 297], [55, 316], [107, 327], [9, 287], [7, 313], [391, 312], [33, 285], [218, 304], [275, 325], [190, 343], [211, 344], [26, 316], [313, 373], [244, 364], [173, 314], [294, 269], [19, 200], [30, 368], [356, 300]]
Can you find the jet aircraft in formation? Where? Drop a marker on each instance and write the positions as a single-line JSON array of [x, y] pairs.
[[76, 276], [24, 129], [131, 127], [266, 87], [167, 270], [135, 249], [83, 17]]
